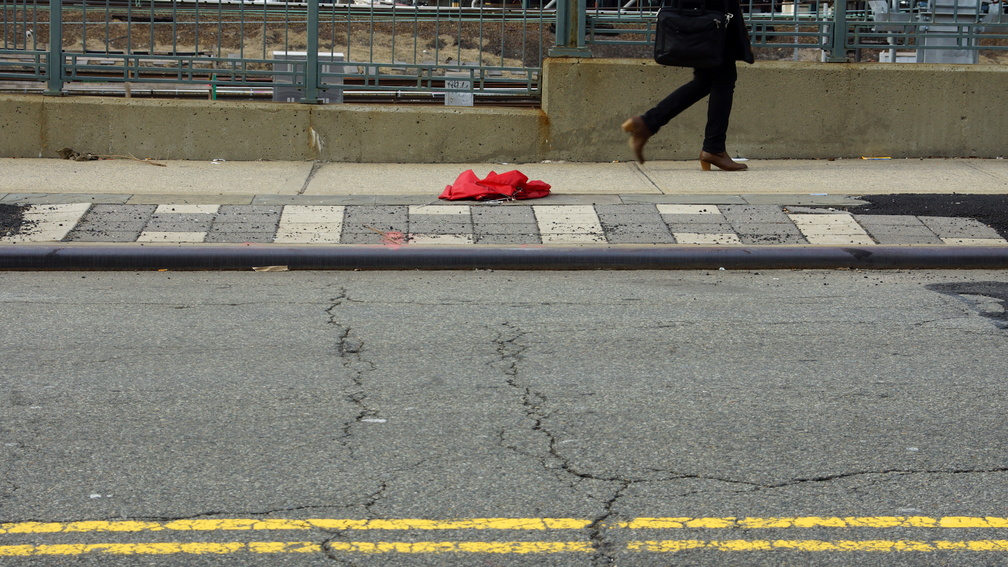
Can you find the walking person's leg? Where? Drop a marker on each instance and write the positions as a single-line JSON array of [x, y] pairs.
[[679, 100], [646, 125], [719, 107]]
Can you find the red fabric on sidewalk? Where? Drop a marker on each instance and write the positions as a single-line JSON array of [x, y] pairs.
[[510, 185]]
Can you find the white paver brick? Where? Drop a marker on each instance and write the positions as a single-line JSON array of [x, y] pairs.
[[292, 235], [187, 209], [700, 238], [568, 224], [171, 236], [313, 213], [831, 229], [975, 241], [312, 224], [572, 238], [48, 223]]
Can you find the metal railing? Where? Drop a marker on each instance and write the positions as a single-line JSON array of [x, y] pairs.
[[955, 31], [371, 50], [235, 48]]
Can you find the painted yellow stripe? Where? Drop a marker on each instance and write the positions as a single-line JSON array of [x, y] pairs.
[[248, 524], [234, 524], [496, 547], [816, 522], [463, 547], [671, 546], [168, 548]]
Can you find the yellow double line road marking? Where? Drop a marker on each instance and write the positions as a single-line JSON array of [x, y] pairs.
[[505, 524]]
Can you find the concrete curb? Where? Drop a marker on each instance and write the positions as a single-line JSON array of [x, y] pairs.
[[247, 257]]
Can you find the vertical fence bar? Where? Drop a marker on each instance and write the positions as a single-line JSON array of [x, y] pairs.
[[311, 58], [570, 29], [55, 63], [838, 41]]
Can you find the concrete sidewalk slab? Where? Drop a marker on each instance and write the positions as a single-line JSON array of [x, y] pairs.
[[104, 176], [845, 177], [808, 182], [431, 179]]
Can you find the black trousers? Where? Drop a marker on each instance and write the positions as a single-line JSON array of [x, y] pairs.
[[719, 83]]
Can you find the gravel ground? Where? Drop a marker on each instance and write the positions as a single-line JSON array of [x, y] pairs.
[[10, 219]]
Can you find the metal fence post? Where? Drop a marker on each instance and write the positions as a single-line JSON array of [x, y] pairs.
[[570, 29], [54, 66], [311, 57], [838, 39]]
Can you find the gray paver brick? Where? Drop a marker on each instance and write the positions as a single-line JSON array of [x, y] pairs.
[[959, 227], [238, 237], [498, 215], [110, 226], [102, 236], [632, 235], [755, 214], [227, 211], [237, 227], [626, 210], [506, 229], [697, 219], [361, 238], [507, 239], [180, 222], [382, 218], [166, 226]]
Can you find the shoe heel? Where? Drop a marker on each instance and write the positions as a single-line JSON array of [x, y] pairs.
[[705, 165], [628, 126]]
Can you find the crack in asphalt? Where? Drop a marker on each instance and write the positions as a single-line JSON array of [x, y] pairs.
[[349, 350], [510, 349]]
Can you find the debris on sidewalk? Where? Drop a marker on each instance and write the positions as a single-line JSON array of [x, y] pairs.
[[74, 155], [389, 237], [510, 185], [270, 268], [67, 153]]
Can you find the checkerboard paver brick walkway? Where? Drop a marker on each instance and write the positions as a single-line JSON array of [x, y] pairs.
[[490, 224]]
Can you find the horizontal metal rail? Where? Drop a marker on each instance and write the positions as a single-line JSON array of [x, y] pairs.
[[492, 52]]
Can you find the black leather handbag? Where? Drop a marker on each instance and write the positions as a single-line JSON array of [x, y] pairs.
[[691, 33]]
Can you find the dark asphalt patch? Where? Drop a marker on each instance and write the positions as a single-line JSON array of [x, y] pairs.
[[11, 219], [966, 291], [992, 210]]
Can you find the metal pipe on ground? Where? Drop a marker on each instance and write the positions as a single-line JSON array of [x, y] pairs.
[[248, 257]]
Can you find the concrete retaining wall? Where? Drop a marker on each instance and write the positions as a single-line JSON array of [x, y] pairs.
[[782, 110]]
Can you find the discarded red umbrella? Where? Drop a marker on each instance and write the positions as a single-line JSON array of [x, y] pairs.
[[510, 185]]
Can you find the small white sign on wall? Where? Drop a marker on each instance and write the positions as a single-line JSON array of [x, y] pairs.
[[455, 82]]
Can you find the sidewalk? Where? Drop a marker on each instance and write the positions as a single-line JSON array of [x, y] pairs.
[[797, 208]]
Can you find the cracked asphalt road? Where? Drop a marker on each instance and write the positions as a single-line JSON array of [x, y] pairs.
[[598, 396]]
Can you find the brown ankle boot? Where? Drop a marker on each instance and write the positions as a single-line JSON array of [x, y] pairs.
[[639, 134], [721, 161]]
